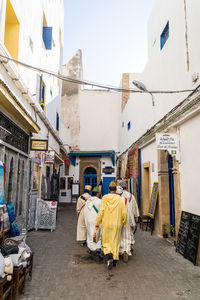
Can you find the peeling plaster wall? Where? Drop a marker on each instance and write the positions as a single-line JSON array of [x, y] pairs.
[[70, 100]]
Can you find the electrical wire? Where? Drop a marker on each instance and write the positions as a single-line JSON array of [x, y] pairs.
[[90, 83]]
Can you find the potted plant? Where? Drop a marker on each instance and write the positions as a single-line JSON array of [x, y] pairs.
[[164, 228]]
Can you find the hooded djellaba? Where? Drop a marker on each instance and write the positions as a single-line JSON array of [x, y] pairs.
[[112, 216], [81, 228], [91, 210]]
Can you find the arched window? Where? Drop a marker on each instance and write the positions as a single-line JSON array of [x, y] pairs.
[[90, 170]]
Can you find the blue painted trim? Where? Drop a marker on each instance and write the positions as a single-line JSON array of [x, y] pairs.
[[73, 156], [139, 178], [171, 193]]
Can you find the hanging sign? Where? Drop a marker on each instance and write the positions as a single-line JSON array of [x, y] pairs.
[[108, 170], [169, 142], [39, 145], [49, 157], [1, 183]]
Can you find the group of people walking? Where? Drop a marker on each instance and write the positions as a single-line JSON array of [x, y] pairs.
[[107, 226]]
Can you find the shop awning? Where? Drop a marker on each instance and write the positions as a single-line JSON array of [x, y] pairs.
[[58, 159], [73, 155], [13, 107]]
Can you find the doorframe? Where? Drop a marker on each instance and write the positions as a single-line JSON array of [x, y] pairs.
[[93, 162]]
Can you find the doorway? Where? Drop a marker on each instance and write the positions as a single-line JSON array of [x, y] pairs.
[[90, 177]]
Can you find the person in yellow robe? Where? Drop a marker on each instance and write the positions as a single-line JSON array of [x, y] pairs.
[[112, 216]]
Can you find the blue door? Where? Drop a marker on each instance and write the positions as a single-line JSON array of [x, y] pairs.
[[171, 193], [90, 178], [106, 182]]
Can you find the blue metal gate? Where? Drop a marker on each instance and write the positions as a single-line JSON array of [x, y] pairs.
[[171, 193], [106, 182], [90, 178]]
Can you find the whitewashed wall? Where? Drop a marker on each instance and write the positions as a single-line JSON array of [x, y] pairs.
[[149, 154], [30, 17], [106, 162], [166, 69], [190, 165], [75, 170], [99, 115]]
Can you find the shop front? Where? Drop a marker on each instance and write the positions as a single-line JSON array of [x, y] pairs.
[[93, 168]]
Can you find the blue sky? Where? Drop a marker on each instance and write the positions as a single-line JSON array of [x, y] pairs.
[[112, 35]]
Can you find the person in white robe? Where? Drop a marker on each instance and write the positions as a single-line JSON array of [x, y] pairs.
[[133, 208], [81, 228], [126, 234], [91, 210]]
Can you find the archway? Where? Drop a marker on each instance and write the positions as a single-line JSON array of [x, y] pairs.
[[90, 177]]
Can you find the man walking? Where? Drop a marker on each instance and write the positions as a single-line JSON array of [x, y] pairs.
[[91, 210], [112, 216], [127, 232], [81, 228], [133, 213]]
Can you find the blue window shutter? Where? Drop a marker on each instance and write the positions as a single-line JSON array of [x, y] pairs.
[[57, 121], [47, 37]]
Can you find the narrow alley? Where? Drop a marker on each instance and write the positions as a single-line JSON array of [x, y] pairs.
[[65, 271]]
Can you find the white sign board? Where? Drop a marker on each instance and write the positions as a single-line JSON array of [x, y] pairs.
[[169, 142], [75, 189]]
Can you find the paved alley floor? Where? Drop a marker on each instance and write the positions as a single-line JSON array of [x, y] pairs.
[[65, 271]]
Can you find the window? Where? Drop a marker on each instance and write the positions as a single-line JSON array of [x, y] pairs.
[[42, 94], [57, 121], [164, 36], [11, 37], [122, 124], [47, 34], [129, 125]]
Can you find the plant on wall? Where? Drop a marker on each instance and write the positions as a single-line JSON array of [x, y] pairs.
[[172, 229], [164, 227]]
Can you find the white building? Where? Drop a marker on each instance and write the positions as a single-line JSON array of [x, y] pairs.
[[30, 102], [173, 64], [92, 117]]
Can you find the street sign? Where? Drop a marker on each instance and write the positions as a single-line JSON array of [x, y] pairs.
[[169, 142], [39, 145]]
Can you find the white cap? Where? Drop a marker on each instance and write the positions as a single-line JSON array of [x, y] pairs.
[[119, 190]]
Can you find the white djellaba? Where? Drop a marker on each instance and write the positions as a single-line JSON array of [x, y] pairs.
[[90, 212], [127, 236]]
